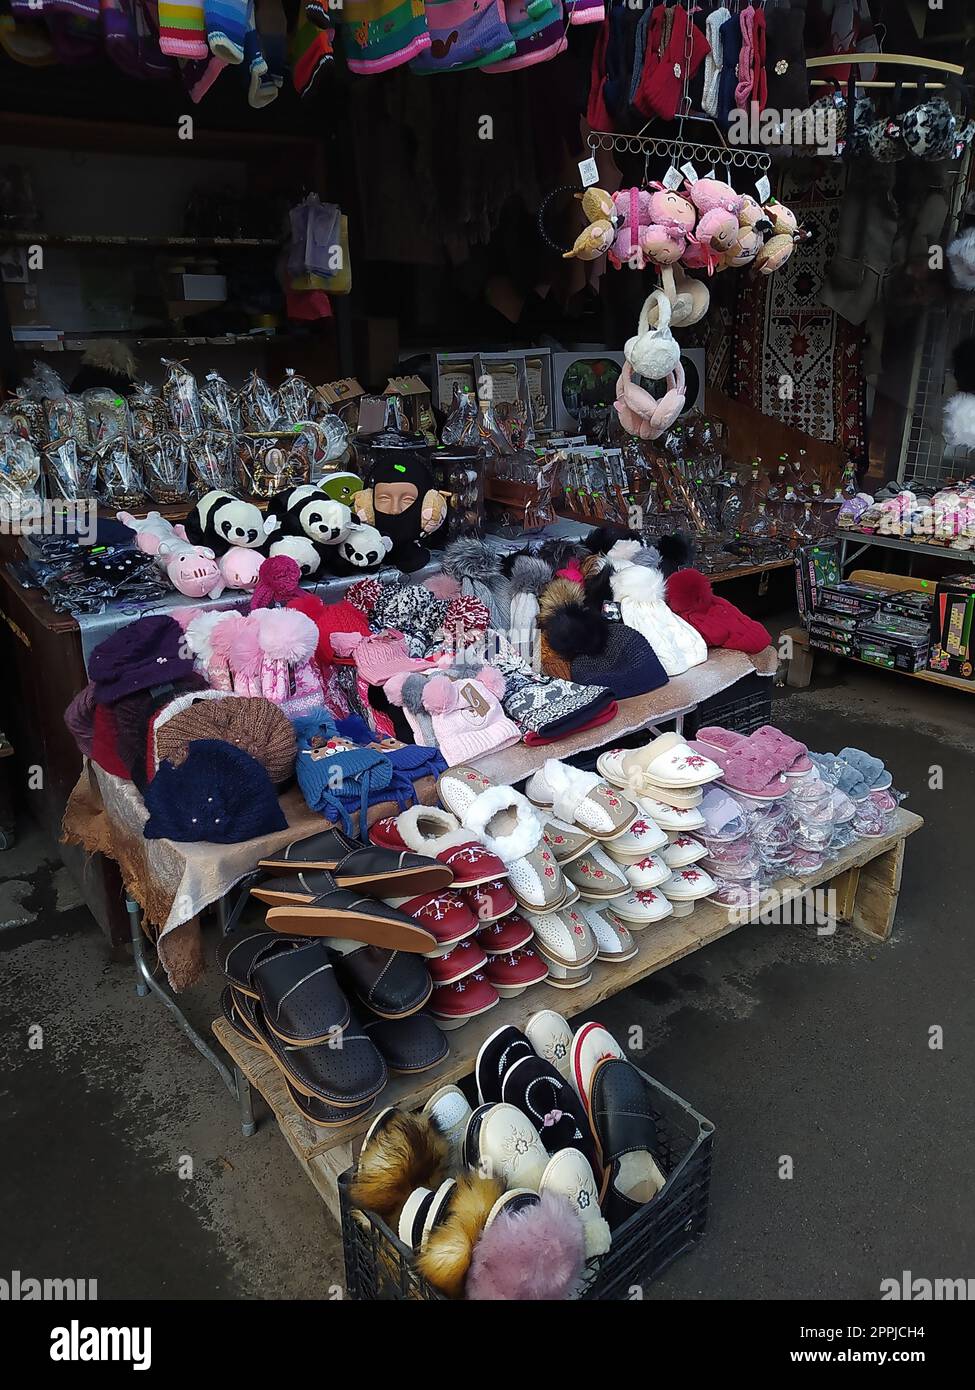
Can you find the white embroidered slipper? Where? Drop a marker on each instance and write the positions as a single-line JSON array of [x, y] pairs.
[[566, 937], [614, 941], [667, 761], [569, 1174], [648, 872], [671, 817], [683, 850], [644, 836], [643, 907], [582, 799], [504, 821], [551, 1037], [565, 976], [684, 800], [687, 886]]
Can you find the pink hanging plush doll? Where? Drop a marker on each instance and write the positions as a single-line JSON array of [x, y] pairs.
[[670, 207], [708, 194], [633, 217], [663, 243]]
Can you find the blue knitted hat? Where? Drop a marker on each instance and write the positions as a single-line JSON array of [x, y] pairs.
[[218, 794], [340, 781], [627, 665], [411, 762]]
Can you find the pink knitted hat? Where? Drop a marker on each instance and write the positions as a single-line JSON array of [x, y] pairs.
[[381, 656], [467, 719]]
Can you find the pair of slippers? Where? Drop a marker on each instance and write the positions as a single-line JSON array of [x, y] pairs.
[[667, 762], [291, 997], [853, 772], [761, 766]]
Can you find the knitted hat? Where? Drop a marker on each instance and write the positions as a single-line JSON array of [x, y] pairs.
[[627, 665], [382, 655], [330, 618], [529, 576], [640, 595], [478, 568], [104, 743], [719, 622], [364, 593], [339, 780], [251, 723], [80, 718], [219, 794], [413, 760], [412, 610], [466, 619], [148, 652], [555, 708], [278, 581], [468, 720], [133, 716]]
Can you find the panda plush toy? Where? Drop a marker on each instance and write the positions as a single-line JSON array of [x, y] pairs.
[[304, 552], [363, 549], [220, 520], [307, 511]]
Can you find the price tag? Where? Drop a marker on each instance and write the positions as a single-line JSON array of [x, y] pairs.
[[689, 172], [764, 189], [588, 173], [673, 178]]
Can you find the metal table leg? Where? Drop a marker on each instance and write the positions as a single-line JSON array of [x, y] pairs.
[[235, 1082]]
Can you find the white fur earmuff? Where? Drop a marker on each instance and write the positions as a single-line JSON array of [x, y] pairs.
[[653, 352]]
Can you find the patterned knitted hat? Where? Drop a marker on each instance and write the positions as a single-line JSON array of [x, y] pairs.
[[219, 794], [251, 723]]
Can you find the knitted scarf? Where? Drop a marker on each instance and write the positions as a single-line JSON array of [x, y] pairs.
[[712, 63]]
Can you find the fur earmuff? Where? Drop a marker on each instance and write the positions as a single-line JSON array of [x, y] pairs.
[[405, 1152], [446, 1256]]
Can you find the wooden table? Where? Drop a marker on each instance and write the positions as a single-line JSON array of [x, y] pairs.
[[865, 878]]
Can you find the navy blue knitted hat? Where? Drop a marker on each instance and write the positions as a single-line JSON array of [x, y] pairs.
[[627, 665], [218, 794]]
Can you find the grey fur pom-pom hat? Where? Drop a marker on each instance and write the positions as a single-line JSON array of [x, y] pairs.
[[477, 568]]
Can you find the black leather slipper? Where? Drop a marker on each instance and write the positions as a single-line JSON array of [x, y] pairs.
[[387, 872], [393, 984], [408, 1044], [301, 998], [340, 912]]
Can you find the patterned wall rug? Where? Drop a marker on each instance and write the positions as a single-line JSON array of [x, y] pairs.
[[795, 359]]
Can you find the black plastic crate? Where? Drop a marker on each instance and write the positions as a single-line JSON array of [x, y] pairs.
[[744, 707], [378, 1266]]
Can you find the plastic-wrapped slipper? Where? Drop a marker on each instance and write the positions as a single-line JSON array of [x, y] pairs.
[[722, 815], [582, 799], [839, 773], [503, 819]]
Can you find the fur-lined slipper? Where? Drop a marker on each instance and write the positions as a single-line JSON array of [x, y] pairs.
[[532, 1252], [317, 1111], [446, 1253], [569, 1174], [553, 1107], [582, 799], [565, 936], [355, 865], [345, 1077], [596, 876], [438, 833], [408, 1045], [503, 819], [301, 998], [344, 913], [566, 842], [401, 1152], [393, 984], [614, 941]]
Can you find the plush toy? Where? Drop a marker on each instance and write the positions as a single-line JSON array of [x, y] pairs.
[[304, 552], [751, 214], [192, 569], [783, 220], [709, 194], [669, 206], [663, 243], [239, 567], [363, 549], [151, 531], [633, 218], [717, 232], [774, 254], [747, 246], [597, 238], [653, 352], [308, 511], [220, 520], [341, 487]]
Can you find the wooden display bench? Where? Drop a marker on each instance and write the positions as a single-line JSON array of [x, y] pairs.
[[865, 877]]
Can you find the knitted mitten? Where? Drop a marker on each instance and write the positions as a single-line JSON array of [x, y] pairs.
[[464, 34], [597, 113], [182, 28]]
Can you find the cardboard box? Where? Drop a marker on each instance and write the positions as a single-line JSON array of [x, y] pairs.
[[953, 626]]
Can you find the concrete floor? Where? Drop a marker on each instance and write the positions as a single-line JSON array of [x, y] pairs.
[[122, 1160]]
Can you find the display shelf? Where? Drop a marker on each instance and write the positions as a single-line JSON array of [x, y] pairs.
[[161, 243], [864, 539], [130, 335], [866, 878], [932, 677]]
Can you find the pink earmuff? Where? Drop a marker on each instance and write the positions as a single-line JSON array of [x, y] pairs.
[[640, 413]]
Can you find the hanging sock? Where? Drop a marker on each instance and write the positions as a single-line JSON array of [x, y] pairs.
[[182, 28], [311, 51], [464, 34], [227, 25], [381, 34], [199, 75], [538, 36]]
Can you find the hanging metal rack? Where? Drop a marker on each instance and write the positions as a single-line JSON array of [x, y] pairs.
[[680, 151]]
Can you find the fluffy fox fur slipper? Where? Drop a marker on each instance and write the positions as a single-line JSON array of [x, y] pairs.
[[446, 1256], [404, 1152]]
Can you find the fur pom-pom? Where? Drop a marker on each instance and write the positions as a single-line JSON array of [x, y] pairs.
[[558, 551], [286, 634], [648, 556], [963, 365], [959, 421], [529, 575], [199, 632], [440, 695], [244, 648], [601, 539], [624, 552], [446, 1256], [576, 630], [961, 260], [408, 692], [405, 1152], [536, 1254], [470, 558], [638, 583], [598, 586], [676, 551], [689, 590], [556, 595], [492, 680], [223, 636]]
